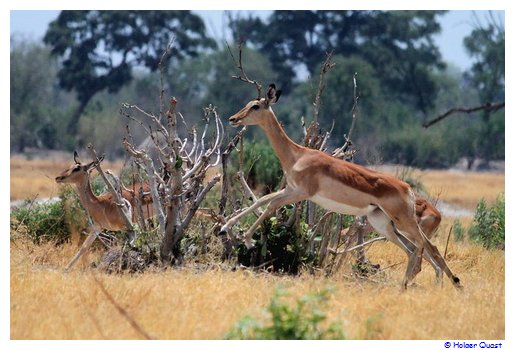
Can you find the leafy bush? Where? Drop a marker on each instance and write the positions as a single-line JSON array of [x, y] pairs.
[[262, 166], [488, 225], [301, 321], [40, 222], [282, 249], [414, 146]]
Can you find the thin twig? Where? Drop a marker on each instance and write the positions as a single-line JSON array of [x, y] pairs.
[[332, 251], [239, 64], [326, 67], [354, 106], [135, 325], [161, 75], [447, 244], [492, 107]]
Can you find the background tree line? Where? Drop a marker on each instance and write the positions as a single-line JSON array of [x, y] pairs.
[[68, 89]]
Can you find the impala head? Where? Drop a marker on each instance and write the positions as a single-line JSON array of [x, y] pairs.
[[78, 171], [258, 110]]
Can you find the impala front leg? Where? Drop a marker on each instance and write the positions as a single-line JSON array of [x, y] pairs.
[[260, 202], [84, 248], [287, 196]]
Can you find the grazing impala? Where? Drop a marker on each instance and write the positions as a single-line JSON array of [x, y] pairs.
[[339, 186]]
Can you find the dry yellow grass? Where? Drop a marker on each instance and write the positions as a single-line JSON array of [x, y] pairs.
[[36, 177], [463, 188], [460, 188], [188, 304]]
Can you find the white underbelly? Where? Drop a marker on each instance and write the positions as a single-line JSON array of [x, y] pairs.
[[341, 208]]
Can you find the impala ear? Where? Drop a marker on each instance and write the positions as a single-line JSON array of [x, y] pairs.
[[76, 157], [272, 95]]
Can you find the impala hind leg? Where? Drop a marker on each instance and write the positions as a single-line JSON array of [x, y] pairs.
[[384, 226], [412, 231], [411, 246]]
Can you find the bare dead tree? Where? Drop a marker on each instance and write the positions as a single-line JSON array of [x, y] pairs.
[[177, 177], [177, 168]]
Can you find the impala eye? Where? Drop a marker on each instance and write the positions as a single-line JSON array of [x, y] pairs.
[[255, 107]]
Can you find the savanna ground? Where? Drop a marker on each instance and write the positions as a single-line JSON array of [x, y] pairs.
[[193, 303]]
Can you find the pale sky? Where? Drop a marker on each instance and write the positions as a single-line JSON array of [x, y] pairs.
[[455, 26]]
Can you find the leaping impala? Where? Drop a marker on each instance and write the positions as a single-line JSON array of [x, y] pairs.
[[339, 186], [103, 208]]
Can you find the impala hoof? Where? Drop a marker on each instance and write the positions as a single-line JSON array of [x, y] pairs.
[[250, 244], [456, 282], [224, 230]]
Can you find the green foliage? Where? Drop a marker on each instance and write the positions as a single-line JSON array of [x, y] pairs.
[[399, 75], [282, 248], [413, 145], [99, 48], [488, 225], [207, 79], [486, 45], [304, 320], [37, 106], [40, 222], [261, 166], [398, 43]]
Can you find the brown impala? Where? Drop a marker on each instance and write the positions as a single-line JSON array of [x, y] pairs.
[[339, 186], [103, 208]]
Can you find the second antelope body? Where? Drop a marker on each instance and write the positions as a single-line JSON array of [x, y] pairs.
[[342, 187]]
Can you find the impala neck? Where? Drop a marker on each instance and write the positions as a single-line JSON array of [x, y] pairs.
[[86, 195], [285, 149]]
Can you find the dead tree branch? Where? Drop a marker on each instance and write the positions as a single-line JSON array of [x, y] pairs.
[[491, 107], [239, 65], [326, 67], [166, 52], [344, 152], [178, 188]]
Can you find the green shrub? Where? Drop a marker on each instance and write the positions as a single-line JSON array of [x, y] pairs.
[[40, 222], [261, 166], [301, 321], [283, 247], [488, 225]]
